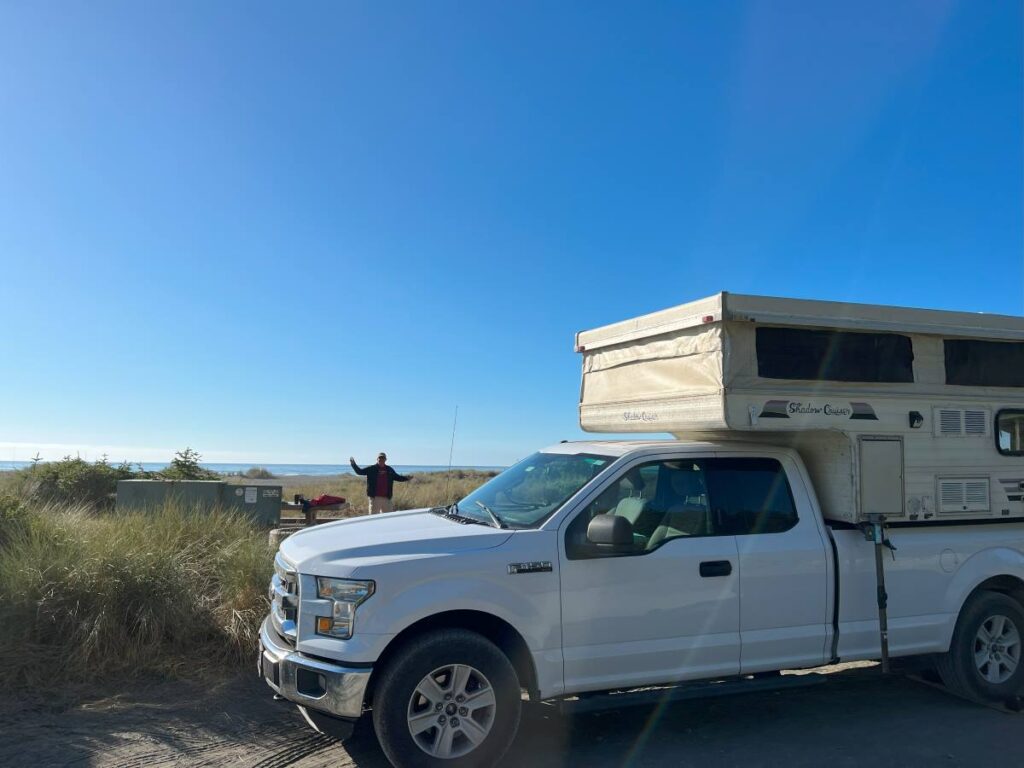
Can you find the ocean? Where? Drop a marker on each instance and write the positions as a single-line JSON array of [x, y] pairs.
[[281, 470]]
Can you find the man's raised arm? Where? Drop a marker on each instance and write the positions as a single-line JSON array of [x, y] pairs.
[[355, 467]]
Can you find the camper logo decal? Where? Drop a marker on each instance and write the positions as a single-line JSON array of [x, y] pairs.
[[639, 416], [784, 409]]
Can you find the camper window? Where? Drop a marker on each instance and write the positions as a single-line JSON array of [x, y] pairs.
[[1010, 433], [798, 353], [974, 363]]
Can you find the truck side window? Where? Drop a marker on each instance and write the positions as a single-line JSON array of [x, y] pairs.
[[663, 500], [750, 495]]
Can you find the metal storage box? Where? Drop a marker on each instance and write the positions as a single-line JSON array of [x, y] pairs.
[[259, 501]]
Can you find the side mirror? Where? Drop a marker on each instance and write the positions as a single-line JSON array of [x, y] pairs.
[[610, 531]]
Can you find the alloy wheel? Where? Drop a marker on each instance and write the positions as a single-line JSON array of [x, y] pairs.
[[997, 647], [451, 711]]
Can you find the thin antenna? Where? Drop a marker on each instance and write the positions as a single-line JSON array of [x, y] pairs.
[[451, 451]]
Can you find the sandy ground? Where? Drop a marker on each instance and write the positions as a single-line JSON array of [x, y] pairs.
[[856, 718]]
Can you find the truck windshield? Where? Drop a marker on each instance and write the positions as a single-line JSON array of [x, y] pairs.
[[526, 494]]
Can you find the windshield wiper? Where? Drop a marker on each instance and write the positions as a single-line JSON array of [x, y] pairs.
[[451, 512], [498, 522]]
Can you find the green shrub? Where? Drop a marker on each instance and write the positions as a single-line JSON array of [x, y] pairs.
[[88, 597], [72, 481], [258, 473], [13, 516], [185, 466], [11, 507], [92, 484]]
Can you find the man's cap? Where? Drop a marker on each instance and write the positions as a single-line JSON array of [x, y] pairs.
[[382, 455]]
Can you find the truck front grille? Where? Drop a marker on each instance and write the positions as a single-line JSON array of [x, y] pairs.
[[284, 599]]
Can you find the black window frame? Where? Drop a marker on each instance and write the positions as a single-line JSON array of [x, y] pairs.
[[995, 430], [789, 491], [962, 369], [780, 350]]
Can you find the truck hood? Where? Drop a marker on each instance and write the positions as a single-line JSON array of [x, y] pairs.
[[338, 549]]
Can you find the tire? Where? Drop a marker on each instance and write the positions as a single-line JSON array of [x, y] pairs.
[[468, 671], [985, 660]]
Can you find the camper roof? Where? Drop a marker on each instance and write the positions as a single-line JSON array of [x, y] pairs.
[[802, 312]]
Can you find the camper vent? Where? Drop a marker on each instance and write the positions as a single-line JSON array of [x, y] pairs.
[[949, 422], [974, 422], [952, 422], [963, 495]]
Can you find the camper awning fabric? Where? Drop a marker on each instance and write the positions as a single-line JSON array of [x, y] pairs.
[[687, 362]]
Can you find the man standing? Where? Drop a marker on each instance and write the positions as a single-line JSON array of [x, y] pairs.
[[380, 482]]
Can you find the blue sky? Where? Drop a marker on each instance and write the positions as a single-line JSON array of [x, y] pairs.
[[294, 232]]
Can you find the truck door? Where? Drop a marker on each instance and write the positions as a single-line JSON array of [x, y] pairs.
[[784, 574], [668, 608]]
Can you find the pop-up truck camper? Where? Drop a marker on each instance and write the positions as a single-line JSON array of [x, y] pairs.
[[914, 414], [845, 483]]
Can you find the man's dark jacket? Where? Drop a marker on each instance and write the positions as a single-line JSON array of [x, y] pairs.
[[371, 478]]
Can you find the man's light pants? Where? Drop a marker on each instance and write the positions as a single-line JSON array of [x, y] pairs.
[[380, 504]]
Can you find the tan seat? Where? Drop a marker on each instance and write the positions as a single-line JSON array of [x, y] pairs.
[[686, 509], [630, 508], [688, 521]]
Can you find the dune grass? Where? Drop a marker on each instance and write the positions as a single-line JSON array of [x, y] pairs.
[[427, 489], [95, 597], [100, 597]]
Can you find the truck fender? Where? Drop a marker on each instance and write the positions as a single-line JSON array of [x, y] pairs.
[[535, 650], [444, 594]]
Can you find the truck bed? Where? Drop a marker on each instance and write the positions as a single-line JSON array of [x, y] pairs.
[[932, 571]]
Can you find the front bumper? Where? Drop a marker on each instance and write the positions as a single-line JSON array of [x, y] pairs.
[[317, 685]]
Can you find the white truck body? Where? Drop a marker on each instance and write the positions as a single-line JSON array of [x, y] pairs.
[[741, 550], [624, 622]]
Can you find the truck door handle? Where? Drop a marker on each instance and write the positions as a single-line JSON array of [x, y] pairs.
[[715, 568]]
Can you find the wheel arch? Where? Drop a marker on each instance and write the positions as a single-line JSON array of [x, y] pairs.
[[966, 668], [506, 637], [1012, 586], [995, 570]]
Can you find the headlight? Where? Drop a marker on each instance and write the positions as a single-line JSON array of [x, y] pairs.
[[345, 596]]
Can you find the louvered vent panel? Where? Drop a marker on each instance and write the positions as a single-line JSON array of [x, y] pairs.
[[975, 422], [952, 495], [976, 492], [953, 422], [964, 495], [950, 422]]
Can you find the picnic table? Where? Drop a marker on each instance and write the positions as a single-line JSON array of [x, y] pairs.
[[310, 514]]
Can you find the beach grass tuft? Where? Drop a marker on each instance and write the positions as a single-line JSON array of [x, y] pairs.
[[94, 596], [90, 596], [426, 489]]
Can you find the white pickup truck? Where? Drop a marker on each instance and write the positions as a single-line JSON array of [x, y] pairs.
[[596, 566]]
